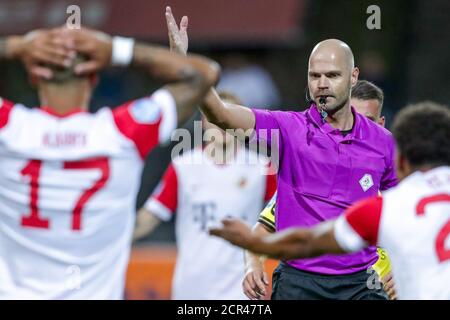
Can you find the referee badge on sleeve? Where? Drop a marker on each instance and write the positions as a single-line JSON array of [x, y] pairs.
[[366, 182]]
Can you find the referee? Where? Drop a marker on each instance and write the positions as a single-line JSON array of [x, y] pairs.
[[367, 99], [329, 157]]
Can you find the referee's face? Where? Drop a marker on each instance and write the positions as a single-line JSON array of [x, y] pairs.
[[330, 76]]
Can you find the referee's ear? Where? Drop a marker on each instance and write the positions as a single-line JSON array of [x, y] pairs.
[[354, 76]]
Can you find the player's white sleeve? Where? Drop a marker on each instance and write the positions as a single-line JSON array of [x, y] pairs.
[[347, 238], [169, 121], [159, 209]]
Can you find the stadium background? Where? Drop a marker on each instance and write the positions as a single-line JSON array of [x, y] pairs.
[[407, 58]]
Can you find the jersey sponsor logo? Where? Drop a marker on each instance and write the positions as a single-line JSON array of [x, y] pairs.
[[145, 111], [366, 182], [204, 213]]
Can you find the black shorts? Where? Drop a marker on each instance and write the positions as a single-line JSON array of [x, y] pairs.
[[290, 283]]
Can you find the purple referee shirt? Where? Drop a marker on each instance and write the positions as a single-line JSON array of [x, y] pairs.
[[321, 173]]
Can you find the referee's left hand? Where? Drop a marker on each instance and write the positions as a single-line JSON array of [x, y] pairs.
[[389, 286]]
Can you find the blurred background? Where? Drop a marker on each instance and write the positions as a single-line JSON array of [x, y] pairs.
[[263, 48]]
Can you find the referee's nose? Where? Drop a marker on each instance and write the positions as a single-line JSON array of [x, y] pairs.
[[324, 83]]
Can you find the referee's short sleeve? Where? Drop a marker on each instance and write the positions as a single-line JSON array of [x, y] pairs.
[[266, 126]]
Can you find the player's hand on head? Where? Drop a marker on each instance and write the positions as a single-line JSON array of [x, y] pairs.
[[178, 37], [96, 46], [40, 48]]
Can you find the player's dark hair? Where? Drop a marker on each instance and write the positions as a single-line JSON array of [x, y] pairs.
[[63, 75], [422, 132], [366, 90]]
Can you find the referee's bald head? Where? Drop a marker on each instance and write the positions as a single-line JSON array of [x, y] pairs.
[[334, 49]]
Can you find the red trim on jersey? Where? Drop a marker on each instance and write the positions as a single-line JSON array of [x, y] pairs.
[[5, 109], [57, 114], [144, 136], [364, 217], [168, 192], [271, 186]]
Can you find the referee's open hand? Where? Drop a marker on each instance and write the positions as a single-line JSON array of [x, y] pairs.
[[178, 36]]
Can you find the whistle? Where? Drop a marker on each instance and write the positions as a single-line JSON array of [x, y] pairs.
[[322, 100]]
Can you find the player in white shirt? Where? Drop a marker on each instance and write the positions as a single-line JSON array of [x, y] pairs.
[[69, 178], [411, 220], [203, 186]]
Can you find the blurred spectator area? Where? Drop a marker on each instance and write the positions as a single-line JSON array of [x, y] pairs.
[[218, 21]]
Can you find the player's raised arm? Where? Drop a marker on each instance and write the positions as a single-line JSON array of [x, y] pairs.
[[289, 244], [188, 77], [224, 115]]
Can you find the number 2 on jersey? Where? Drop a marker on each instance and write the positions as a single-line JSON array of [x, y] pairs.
[[442, 253], [33, 170]]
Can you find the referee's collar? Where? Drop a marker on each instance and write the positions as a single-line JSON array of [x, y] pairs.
[[356, 132]]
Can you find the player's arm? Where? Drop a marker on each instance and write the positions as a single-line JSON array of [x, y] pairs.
[[289, 244], [189, 77], [256, 280], [354, 230], [146, 222], [224, 115], [160, 206]]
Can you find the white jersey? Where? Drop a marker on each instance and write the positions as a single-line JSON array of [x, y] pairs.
[[202, 194], [412, 221], [68, 187]]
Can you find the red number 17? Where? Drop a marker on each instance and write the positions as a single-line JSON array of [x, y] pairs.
[[33, 170]]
